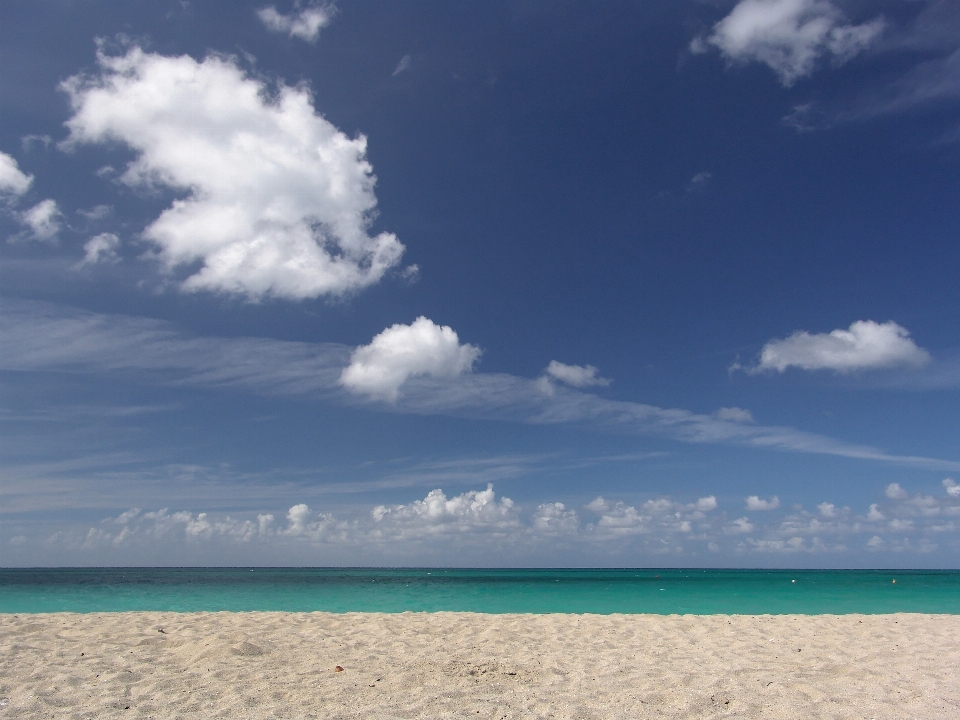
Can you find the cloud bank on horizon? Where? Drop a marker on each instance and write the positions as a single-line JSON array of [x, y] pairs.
[[476, 521]]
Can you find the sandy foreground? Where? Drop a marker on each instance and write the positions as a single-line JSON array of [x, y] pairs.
[[460, 665]]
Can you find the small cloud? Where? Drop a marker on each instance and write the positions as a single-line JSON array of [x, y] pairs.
[[43, 219], [698, 182], [740, 525], [789, 36], [756, 503], [410, 274], [17, 540], [874, 514], [706, 504], [404, 351], [827, 510], [13, 182], [29, 141], [101, 248], [875, 542], [402, 66], [125, 517], [304, 24], [98, 212], [895, 492], [866, 345], [734, 414], [698, 46], [575, 375], [952, 488]]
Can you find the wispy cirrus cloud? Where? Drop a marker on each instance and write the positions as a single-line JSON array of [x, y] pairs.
[[43, 337], [926, 77]]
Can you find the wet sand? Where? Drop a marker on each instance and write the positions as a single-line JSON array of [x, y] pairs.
[[459, 665]]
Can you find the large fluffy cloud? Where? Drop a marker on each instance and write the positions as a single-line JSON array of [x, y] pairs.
[[404, 351], [865, 345], [278, 202], [789, 36]]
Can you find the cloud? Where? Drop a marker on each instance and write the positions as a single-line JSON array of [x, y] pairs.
[[828, 510], [698, 182], [789, 36], [304, 24], [41, 337], [895, 492], [476, 521], [98, 212], [278, 201], [575, 375], [12, 180], [43, 219], [402, 66], [436, 514], [735, 414], [404, 351], [930, 44], [756, 503], [866, 345], [952, 488], [555, 519], [100, 248], [662, 517]]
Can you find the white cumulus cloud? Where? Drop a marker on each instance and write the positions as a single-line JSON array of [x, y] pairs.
[[789, 36], [43, 219], [756, 503], [952, 488], [13, 181], [404, 351], [437, 514], [279, 201], [100, 248], [575, 375], [303, 23], [895, 492], [866, 345]]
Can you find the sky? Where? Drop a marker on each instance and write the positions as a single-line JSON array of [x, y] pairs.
[[656, 284]]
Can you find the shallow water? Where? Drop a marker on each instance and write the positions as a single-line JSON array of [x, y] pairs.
[[701, 592]]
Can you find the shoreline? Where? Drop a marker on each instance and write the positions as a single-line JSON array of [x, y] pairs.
[[455, 664]]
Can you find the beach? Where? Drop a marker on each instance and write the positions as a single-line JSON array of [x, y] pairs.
[[446, 665]]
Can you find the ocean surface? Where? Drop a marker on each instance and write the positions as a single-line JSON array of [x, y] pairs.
[[701, 592]]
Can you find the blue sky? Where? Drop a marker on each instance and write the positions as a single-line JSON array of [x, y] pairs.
[[645, 284]]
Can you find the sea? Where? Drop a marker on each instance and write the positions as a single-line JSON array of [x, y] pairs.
[[603, 591]]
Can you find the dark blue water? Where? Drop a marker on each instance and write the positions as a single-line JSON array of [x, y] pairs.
[[701, 592]]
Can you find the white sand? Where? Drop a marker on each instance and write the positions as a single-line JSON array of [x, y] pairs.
[[442, 665]]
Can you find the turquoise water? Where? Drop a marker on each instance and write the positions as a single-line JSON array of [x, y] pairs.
[[701, 592]]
